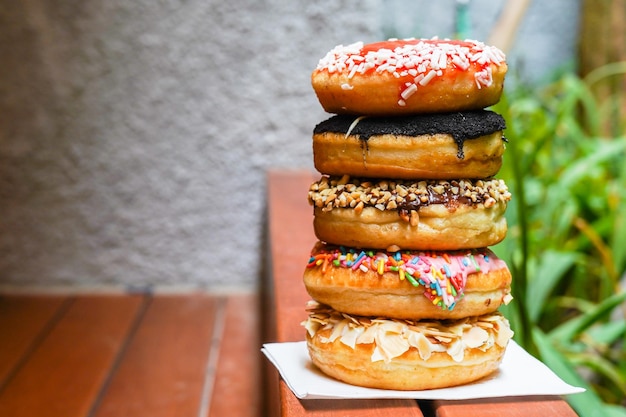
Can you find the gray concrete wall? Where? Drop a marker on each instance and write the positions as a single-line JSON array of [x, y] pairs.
[[135, 136]]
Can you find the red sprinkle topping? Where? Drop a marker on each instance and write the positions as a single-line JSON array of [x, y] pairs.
[[419, 61]]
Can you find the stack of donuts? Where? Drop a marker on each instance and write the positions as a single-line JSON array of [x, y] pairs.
[[405, 288]]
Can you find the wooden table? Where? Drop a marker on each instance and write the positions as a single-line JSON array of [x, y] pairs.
[[129, 354], [290, 239]]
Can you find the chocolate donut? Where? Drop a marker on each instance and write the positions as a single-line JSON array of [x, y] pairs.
[[423, 146]]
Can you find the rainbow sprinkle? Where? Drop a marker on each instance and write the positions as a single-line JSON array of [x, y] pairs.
[[442, 274]]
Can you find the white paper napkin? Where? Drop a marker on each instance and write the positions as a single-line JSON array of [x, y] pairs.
[[519, 374]]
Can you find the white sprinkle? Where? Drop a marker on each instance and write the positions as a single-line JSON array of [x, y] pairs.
[[460, 63], [353, 124], [431, 74], [410, 90], [346, 86], [434, 58], [484, 77], [422, 60], [443, 61]]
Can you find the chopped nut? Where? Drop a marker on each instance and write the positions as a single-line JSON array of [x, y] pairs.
[[344, 180], [439, 189], [401, 191], [344, 192], [391, 205]]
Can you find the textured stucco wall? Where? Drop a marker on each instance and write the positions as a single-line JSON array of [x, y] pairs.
[[135, 136]]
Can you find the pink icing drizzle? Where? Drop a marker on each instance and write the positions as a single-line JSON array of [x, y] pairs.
[[443, 274]]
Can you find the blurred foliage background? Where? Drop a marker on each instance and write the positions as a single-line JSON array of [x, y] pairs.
[[565, 165]]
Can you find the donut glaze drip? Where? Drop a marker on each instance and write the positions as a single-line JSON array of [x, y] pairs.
[[442, 274], [461, 126]]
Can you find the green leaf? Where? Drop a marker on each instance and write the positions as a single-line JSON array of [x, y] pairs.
[[586, 404], [581, 167], [614, 411], [550, 271], [603, 367], [608, 333], [574, 327]]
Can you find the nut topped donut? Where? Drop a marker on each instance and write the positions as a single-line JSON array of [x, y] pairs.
[[379, 352], [421, 146], [409, 76], [423, 215]]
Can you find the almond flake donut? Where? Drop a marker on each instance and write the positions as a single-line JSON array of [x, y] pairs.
[[405, 354], [405, 214], [408, 284], [409, 76], [422, 146]]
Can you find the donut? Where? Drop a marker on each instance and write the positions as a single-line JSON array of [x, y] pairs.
[[404, 214], [409, 76], [408, 284], [423, 146], [405, 354]]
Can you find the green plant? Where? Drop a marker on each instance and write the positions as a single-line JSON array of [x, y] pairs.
[[566, 245]]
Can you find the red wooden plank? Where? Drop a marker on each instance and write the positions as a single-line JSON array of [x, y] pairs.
[[23, 319], [237, 386], [292, 406], [539, 406], [163, 370], [291, 239], [67, 369]]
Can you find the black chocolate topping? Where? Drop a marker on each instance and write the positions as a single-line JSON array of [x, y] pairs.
[[460, 125]]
